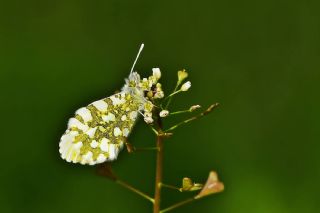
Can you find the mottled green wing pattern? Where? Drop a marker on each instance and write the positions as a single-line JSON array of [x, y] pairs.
[[97, 132]]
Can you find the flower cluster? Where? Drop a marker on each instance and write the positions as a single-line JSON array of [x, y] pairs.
[[153, 99], [153, 91], [151, 87]]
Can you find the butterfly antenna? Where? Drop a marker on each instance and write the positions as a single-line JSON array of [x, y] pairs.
[[135, 61]]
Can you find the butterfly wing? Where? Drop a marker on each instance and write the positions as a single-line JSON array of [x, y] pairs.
[[98, 131]]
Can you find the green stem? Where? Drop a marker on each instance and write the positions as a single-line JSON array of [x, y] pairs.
[[170, 187], [179, 112], [131, 188], [194, 117], [177, 205], [154, 130], [159, 170], [170, 96]]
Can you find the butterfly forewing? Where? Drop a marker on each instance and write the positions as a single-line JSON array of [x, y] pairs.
[[98, 131]]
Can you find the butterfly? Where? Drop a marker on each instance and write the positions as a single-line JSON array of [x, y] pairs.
[[98, 132]]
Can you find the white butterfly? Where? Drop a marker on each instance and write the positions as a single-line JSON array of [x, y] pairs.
[[98, 131]]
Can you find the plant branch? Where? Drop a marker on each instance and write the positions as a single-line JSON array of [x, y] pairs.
[[159, 169], [207, 111], [133, 149], [170, 96], [174, 206], [131, 188], [179, 112], [170, 187], [154, 130]]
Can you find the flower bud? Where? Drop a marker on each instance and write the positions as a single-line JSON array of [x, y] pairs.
[[158, 86], [148, 120], [186, 86], [159, 94], [194, 107], [156, 73], [149, 94], [182, 75], [164, 113], [189, 185]]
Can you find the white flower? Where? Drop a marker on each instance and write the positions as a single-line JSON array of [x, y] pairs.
[[156, 73], [159, 94], [148, 120], [152, 80], [147, 114], [164, 113], [148, 106], [144, 84], [186, 86], [194, 107]]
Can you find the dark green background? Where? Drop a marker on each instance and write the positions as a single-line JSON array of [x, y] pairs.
[[259, 59]]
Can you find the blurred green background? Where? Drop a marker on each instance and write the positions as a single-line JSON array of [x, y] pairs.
[[259, 59]]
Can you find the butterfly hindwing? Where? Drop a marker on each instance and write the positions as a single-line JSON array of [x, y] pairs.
[[98, 131]]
